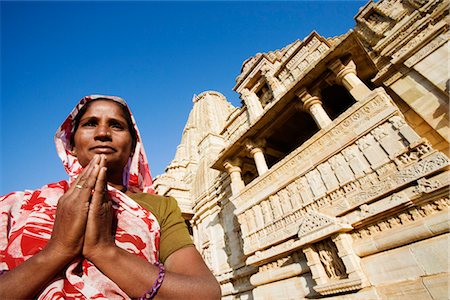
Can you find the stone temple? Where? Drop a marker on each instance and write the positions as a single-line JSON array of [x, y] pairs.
[[332, 178]]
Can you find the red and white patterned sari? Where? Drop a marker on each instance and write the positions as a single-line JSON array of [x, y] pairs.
[[26, 222]]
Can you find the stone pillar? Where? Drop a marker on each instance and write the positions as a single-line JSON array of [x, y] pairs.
[[313, 105], [351, 261], [314, 264], [256, 151], [275, 85], [254, 107], [346, 75], [233, 169]]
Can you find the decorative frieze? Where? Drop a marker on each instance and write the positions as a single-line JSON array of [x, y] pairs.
[[303, 60], [283, 221], [427, 49], [404, 218], [424, 33]]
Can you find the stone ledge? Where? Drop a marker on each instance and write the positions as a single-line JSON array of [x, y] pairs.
[[343, 285]]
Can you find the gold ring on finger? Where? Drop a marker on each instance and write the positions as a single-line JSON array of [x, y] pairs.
[[78, 186]]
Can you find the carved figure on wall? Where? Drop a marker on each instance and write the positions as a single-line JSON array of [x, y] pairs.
[[286, 204], [267, 212], [294, 194], [276, 207], [332, 263]]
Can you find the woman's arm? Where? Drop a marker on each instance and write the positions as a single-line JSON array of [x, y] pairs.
[[187, 276], [66, 243], [25, 281]]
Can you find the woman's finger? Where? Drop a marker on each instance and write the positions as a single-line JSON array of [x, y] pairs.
[[99, 195], [86, 181], [82, 177]]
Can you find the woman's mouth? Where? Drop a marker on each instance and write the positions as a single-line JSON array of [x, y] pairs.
[[103, 150]]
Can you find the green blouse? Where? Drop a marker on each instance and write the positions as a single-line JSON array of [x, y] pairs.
[[174, 232]]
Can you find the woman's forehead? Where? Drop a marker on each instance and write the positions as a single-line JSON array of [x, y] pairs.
[[105, 108]]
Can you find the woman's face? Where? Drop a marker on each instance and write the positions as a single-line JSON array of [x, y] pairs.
[[103, 129]]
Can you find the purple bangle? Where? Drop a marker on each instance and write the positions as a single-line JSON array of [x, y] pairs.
[[158, 282]]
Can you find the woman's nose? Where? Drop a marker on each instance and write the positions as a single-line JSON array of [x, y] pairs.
[[103, 132]]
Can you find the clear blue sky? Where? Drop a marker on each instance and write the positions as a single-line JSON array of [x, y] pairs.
[[155, 55]]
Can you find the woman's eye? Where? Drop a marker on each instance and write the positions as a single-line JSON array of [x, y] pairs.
[[116, 125], [89, 124]]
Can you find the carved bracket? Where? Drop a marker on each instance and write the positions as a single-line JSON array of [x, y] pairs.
[[316, 226]]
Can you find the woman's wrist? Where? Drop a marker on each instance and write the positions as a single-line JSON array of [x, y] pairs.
[[99, 254], [57, 254]]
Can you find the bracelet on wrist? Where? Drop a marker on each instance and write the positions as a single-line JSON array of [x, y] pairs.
[[149, 294]]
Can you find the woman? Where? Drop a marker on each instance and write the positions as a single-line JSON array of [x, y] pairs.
[[88, 238]]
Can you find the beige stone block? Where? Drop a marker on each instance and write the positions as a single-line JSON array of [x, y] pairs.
[[438, 286], [439, 223], [246, 296], [402, 266], [434, 67], [423, 129], [293, 288], [406, 290], [429, 105], [444, 131], [433, 137], [402, 86], [432, 254], [404, 108], [413, 119], [412, 95], [443, 147]]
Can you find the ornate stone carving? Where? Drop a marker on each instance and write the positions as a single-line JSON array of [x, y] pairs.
[[299, 61], [427, 49], [372, 151], [411, 215], [316, 226], [425, 186], [332, 263]]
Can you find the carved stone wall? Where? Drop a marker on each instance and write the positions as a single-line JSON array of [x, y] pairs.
[[360, 209]]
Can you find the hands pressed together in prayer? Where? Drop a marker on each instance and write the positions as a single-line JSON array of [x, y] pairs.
[[84, 215], [84, 227]]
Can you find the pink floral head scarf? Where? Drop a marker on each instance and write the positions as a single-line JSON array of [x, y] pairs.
[[136, 175], [26, 221]]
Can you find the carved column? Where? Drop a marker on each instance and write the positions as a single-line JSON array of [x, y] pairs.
[[254, 107], [233, 169], [346, 75], [275, 85], [351, 261], [314, 264], [313, 105], [256, 151]]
